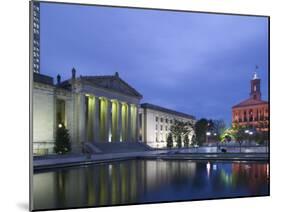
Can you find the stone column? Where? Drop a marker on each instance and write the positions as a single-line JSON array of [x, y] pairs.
[[119, 121], [137, 123], [108, 121], [81, 118], [96, 125], [129, 128]]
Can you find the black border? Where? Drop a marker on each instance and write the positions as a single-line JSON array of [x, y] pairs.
[[142, 8]]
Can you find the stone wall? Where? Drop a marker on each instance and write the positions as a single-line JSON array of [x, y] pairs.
[[43, 119]]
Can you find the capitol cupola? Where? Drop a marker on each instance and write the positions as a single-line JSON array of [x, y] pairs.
[[255, 87]]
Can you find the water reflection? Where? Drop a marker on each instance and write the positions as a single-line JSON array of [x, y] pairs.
[[141, 181]]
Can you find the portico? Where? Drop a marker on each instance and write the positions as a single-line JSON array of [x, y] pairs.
[[106, 108], [108, 120]]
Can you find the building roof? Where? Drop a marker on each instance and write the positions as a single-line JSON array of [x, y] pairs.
[[250, 102], [43, 79], [111, 82], [165, 110]]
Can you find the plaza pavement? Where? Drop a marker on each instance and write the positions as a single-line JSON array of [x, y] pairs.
[[52, 162]]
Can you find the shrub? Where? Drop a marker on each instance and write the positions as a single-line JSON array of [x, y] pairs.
[[62, 144], [179, 144], [170, 141]]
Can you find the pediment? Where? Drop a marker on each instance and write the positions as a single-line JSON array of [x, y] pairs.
[[114, 83]]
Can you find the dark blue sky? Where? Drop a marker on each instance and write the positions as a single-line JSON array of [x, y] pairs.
[[195, 63]]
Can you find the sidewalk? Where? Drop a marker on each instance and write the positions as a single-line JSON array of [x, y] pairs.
[[59, 162]]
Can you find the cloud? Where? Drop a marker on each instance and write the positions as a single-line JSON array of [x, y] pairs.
[[193, 62]]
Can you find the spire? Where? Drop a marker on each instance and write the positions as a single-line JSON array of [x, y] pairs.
[[73, 73], [255, 76], [255, 86], [58, 79]]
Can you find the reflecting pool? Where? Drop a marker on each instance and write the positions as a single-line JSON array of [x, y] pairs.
[[145, 181]]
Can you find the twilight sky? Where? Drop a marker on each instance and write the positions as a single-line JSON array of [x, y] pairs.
[[196, 63]]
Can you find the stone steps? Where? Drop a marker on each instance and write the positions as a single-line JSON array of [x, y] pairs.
[[120, 147]]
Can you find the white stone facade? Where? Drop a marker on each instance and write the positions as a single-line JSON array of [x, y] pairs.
[[96, 109], [43, 118], [156, 122], [92, 112]]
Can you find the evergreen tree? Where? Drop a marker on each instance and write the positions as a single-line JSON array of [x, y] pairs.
[[62, 144], [170, 141], [201, 127], [179, 144], [193, 140], [186, 140]]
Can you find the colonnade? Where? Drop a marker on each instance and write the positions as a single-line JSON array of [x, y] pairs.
[[106, 120], [249, 115]]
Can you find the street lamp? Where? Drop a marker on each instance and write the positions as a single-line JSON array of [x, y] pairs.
[[207, 134]]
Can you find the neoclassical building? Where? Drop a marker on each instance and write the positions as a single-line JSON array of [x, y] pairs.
[[93, 109], [97, 111], [155, 123], [252, 112]]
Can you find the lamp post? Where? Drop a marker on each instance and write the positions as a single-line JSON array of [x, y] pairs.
[[247, 134], [250, 136], [207, 134]]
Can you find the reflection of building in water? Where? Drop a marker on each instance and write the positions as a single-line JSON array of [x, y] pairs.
[[118, 183], [252, 174], [165, 172], [139, 181]]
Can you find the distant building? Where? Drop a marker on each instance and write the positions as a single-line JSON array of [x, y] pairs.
[[155, 123], [252, 112], [36, 36]]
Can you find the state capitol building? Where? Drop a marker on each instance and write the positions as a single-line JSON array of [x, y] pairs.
[[252, 112]]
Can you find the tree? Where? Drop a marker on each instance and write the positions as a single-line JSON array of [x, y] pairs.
[[179, 144], [177, 128], [201, 127], [62, 143], [186, 140], [193, 140], [181, 129], [239, 134], [170, 141], [227, 135], [258, 138], [219, 127]]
